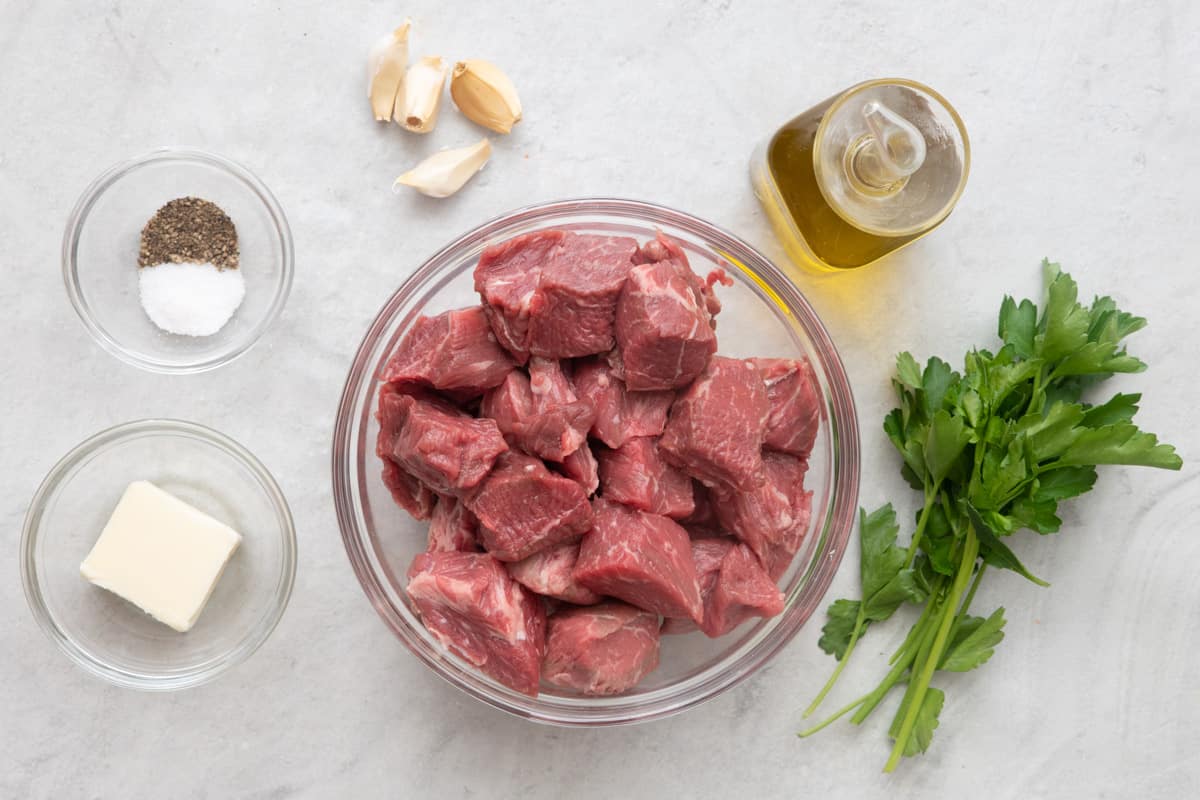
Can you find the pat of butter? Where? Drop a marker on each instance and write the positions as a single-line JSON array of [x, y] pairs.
[[160, 554]]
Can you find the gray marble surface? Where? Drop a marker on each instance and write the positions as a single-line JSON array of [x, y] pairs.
[[1083, 118]]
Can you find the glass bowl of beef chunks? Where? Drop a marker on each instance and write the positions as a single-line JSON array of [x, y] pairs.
[[596, 462]]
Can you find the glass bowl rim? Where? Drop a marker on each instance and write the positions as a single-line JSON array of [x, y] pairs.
[[178, 679], [844, 469], [104, 181]]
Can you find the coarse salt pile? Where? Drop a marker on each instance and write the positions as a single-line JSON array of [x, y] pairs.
[[190, 299], [189, 282]]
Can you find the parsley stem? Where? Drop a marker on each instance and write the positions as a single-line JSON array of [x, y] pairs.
[[930, 603], [930, 498], [841, 712], [934, 655], [859, 627], [920, 633]]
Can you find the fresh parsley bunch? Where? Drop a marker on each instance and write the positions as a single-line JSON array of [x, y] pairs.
[[992, 450]]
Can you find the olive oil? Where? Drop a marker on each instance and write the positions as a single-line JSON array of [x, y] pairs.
[[887, 163]]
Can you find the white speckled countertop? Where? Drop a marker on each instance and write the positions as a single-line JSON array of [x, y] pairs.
[[1083, 119]]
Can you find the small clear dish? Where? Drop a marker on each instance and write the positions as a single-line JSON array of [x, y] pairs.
[[103, 237], [115, 640]]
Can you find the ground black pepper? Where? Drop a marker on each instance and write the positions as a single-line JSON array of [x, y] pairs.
[[189, 229]]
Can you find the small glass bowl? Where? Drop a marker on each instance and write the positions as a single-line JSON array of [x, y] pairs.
[[110, 637], [764, 314], [103, 237]]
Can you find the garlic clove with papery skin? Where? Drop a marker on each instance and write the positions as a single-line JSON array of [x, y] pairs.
[[444, 173], [386, 64], [485, 95], [420, 95]]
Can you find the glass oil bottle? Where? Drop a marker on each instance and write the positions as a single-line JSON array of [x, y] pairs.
[[863, 173]]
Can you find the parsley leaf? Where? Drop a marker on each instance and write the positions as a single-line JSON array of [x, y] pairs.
[[1018, 326], [1120, 443], [976, 643], [839, 627], [926, 723]]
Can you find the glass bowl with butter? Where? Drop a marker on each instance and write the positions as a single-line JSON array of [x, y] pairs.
[[158, 554]]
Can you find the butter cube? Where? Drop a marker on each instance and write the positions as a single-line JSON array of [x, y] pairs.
[[160, 554]]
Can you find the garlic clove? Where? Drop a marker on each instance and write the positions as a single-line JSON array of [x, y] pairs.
[[386, 64], [444, 173], [485, 95], [420, 95]]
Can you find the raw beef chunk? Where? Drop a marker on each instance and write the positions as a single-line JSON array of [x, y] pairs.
[[554, 293], [561, 421], [510, 404], [455, 351], [636, 475], [507, 279], [772, 517], [471, 605], [788, 473], [582, 467], [409, 493], [715, 431], [795, 405], [643, 559], [707, 555], [452, 528], [540, 413], [550, 572], [665, 249], [604, 649], [444, 447], [573, 311], [620, 414], [664, 334], [742, 590], [522, 508]]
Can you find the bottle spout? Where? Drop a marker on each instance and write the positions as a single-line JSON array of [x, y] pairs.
[[889, 153]]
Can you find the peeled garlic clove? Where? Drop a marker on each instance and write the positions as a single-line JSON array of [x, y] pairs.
[[421, 95], [386, 64], [485, 95], [444, 173]]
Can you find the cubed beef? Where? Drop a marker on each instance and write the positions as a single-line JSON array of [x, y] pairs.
[[452, 528], [573, 310], [788, 473], [794, 402], [772, 517], [620, 414], [707, 554], [665, 249], [643, 559], [715, 431], [636, 475], [522, 507], [507, 279], [447, 449], [550, 573], [540, 413], [742, 590], [664, 335], [554, 293], [561, 421], [600, 650], [473, 607], [582, 467], [455, 351], [733, 585], [510, 404], [409, 493]]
